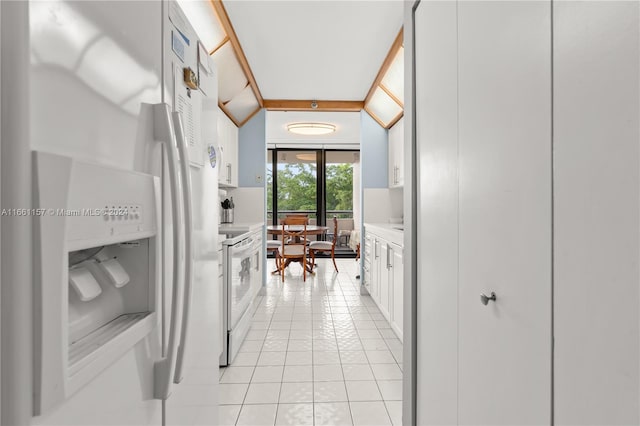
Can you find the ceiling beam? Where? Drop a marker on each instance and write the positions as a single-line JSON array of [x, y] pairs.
[[235, 43], [395, 120], [388, 125], [250, 116], [305, 105], [375, 117], [393, 51]]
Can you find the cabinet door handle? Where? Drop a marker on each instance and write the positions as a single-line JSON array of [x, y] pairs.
[[484, 299], [388, 256], [228, 172]]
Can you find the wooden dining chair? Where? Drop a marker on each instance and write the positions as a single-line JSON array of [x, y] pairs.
[[293, 246], [325, 246], [273, 247], [298, 216]]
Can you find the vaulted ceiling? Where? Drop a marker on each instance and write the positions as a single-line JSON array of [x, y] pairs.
[[326, 50], [286, 55]]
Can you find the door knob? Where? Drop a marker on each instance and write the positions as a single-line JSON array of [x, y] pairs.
[[485, 299]]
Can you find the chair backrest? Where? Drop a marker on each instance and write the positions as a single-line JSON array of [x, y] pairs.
[[335, 230], [294, 231], [345, 224], [295, 220], [297, 216]]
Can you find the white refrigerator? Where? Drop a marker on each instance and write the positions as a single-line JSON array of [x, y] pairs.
[[109, 225]]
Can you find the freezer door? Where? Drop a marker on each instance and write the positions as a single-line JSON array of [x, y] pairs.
[[92, 65]]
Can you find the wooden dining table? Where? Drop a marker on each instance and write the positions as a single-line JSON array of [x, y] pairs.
[[311, 230]]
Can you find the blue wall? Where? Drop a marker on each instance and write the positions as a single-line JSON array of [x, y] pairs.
[[373, 152], [252, 151]]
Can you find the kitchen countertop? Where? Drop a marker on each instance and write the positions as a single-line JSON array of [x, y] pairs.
[[238, 228], [388, 231]]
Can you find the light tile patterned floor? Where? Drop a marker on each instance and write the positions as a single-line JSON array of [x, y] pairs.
[[318, 353]]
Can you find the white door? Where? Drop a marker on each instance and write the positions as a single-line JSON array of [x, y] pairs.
[[375, 269], [436, 67], [505, 212], [397, 286], [194, 400], [232, 154], [223, 137], [383, 295]]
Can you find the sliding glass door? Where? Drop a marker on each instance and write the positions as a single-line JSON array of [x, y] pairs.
[[319, 183], [342, 194], [294, 186]]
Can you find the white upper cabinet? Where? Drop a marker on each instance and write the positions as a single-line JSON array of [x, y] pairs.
[[396, 155], [227, 152]]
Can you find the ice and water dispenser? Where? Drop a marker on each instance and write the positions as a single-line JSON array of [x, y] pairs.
[[98, 270]]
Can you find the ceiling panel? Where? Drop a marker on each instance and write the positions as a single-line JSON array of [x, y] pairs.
[[231, 78], [315, 49], [243, 104], [204, 21], [383, 107], [394, 78]]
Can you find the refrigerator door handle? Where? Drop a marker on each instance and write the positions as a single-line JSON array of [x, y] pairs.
[[185, 175], [164, 368]]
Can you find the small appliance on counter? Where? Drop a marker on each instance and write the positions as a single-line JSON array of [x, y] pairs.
[[227, 211]]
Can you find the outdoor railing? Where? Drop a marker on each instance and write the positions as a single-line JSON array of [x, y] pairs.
[[341, 214]]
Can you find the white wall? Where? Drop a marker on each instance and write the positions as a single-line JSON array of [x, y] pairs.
[[249, 205], [381, 204]]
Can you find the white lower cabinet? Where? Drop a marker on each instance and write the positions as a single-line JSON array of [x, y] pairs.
[[384, 278], [375, 269], [366, 263], [396, 288]]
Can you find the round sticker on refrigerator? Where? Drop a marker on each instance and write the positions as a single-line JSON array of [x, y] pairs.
[[212, 156]]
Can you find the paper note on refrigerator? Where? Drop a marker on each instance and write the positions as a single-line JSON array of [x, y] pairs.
[[189, 104]]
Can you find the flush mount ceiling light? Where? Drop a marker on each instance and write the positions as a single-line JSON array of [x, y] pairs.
[[311, 156], [311, 128]]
